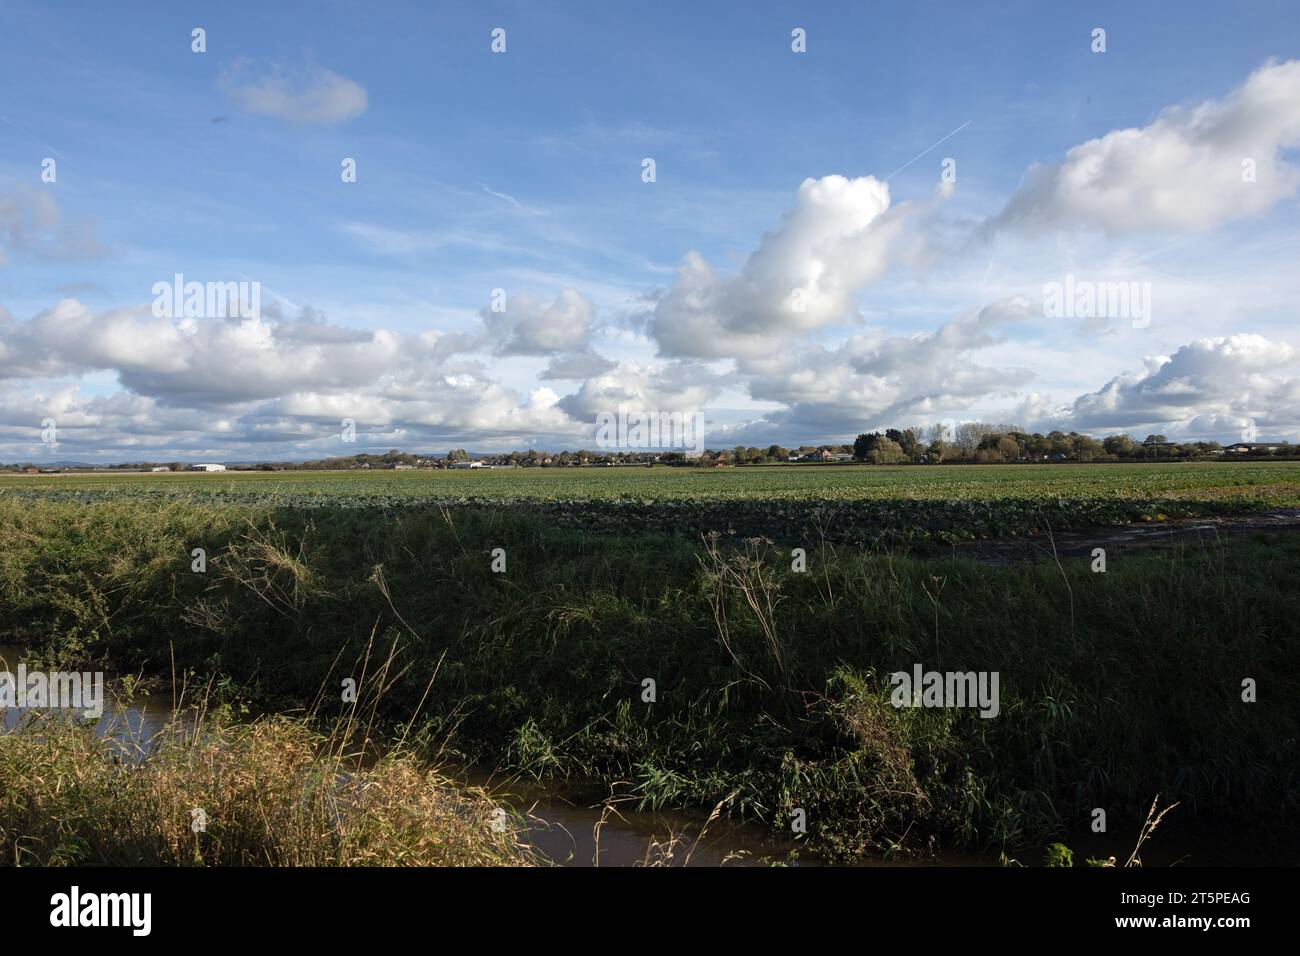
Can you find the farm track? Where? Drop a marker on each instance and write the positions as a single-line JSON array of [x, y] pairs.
[[1191, 532]]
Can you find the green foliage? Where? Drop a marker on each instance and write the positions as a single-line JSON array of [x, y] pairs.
[[1058, 854]]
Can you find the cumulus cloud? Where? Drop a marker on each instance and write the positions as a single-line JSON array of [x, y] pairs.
[[1232, 380], [252, 380], [1183, 171], [881, 380], [528, 325], [678, 386], [269, 387], [305, 95], [577, 365], [840, 236], [195, 360]]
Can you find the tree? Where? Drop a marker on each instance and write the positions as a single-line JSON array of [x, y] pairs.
[[909, 439], [458, 454], [1122, 446], [1087, 448], [863, 445], [1153, 443], [1037, 447], [878, 449], [1058, 443], [886, 452]]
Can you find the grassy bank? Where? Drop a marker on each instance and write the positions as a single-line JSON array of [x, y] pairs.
[[769, 684], [272, 792]]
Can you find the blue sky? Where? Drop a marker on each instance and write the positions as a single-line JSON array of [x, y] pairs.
[[522, 171]]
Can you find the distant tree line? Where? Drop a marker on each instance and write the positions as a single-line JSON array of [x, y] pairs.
[[977, 442], [970, 442]]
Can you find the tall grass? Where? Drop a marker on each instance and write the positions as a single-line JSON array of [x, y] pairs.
[[771, 685], [270, 793]]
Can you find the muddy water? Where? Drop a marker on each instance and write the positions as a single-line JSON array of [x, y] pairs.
[[576, 827]]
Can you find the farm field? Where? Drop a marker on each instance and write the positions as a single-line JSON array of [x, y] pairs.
[[1262, 483], [773, 689], [860, 506]]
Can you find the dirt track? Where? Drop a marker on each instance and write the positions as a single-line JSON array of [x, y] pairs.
[[1126, 538]]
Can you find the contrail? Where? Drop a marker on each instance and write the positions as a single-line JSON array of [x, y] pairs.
[[926, 150]]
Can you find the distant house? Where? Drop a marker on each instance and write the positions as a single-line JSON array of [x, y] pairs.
[[1251, 447], [160, 468], [207, 467], [397, 466], [470, 464]]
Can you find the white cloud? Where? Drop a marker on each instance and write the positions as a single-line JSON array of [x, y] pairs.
[[1183, 171], [307, 95], [880, 381], [194, 386], [528, 325], [576, 365], [679, 386], [840, 236], [1227, 379]]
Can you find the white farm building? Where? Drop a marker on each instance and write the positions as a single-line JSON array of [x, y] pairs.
[[207, 467]]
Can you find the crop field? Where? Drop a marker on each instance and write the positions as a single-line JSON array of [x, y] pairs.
[[863, 506], [1267, 484]]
